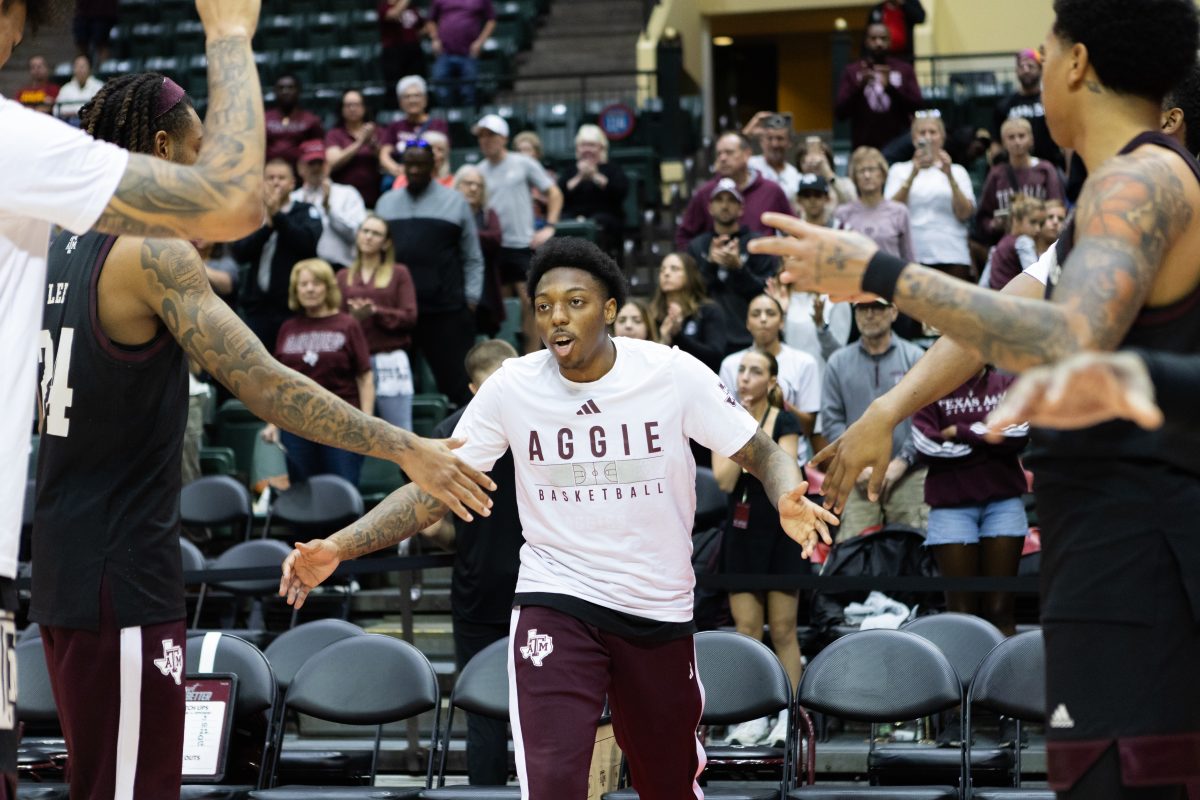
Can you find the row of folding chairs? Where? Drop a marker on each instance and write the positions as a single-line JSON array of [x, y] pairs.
[[329, 670]]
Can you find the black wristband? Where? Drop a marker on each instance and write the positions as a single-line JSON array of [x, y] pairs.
[[883, 271]]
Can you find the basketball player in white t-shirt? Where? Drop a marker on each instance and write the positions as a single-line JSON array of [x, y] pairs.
[[605, 481]]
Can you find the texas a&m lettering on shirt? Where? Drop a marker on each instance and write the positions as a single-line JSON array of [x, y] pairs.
[[604, 471]]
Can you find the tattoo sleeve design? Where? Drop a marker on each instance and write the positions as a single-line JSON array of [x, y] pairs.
[[212, 334], [222, 193], [403, 513], [765, 460], [1129, 214]]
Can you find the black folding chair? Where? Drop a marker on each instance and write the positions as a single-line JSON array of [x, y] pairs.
[[876, 676], [215, 500], [1011, 681], [391, 681], [742, 680], [42, 753], [287, 654], [481, 688], [254, 553], [318, 506], [253, 744]]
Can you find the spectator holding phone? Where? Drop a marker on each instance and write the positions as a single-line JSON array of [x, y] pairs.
[[733, 275], [878, 93], [774, 133]]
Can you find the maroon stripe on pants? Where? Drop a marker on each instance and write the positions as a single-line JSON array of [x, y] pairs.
[[85, 674], [562, 668]]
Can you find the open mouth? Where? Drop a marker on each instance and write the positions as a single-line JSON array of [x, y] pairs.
[[562, 344]]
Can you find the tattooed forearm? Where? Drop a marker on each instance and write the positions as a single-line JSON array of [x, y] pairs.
[[767, 461], [220, 197], [212, 334], [1130, 213], [405, 512]]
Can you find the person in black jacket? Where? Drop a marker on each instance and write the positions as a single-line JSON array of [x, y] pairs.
[[732, 274], [288, 235], [683, 314], [596, 188]]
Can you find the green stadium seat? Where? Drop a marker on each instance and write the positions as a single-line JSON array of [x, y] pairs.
[[301, 62], [188, 38], [172, 11], [268, 461], [362, 26], [344, 66], [147, 39], [378, 479], [268, 67], [111, 68], [428, 410], [167, 65], [275, 32], [582, 228], [218, 461], [324, 29], [238, 429], [510, 329], [197, 76]]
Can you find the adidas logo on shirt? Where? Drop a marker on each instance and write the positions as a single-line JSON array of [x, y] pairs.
[[589, 407], [1061, 718]]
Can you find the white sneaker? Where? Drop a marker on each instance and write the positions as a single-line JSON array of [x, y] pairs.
[[778, 735], [749, 732]]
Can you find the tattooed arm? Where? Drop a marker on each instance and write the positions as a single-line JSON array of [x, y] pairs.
[[405, 512], [220, 197], [780, 476], [1132, 210], [169, 279]]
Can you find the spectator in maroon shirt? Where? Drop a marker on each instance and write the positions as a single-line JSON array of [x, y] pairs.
[[352, 149], [400, 27], [379, 293], [977, 521], [329, 347], [878, 93], [1022, 174], [458, 30], [413, 95], [489, 314], [288, 125], [41, 92], [758, 194]]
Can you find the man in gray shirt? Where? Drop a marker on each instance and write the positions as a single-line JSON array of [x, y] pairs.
[[509, 177], [856, 375], [433, 232]]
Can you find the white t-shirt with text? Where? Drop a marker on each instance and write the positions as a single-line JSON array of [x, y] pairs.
[[52, 174], [605, 478], [939, 237]]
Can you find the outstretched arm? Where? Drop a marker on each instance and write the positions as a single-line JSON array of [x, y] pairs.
[[220, 197], [780, 476], [403, 513], [1130, 213], [172, 283]]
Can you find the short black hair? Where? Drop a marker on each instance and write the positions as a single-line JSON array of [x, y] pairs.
[[576, 253], [1138, 49], [1185, 96], [40, 12]]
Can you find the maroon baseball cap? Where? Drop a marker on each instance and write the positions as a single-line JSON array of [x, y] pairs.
[[312, 150]]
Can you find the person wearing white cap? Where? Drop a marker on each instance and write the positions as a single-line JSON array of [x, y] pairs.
[[509, 178]]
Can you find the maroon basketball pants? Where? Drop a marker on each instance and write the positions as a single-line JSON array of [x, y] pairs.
[[119, 693], [560, 671]]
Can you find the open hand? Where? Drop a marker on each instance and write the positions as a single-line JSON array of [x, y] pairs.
[[432, 465], [804, 520], [307, 567], [1079, 392], [867, 444], [229, 17]]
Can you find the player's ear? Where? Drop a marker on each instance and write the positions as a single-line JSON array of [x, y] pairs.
[[162, 145], [610, 311], [1172, 121]]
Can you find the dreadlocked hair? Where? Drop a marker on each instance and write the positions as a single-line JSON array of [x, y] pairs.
[[122, 112]]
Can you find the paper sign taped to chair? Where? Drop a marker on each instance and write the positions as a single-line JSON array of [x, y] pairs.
[[606, 763]]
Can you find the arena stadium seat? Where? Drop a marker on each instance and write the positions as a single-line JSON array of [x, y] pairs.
[[317, 507], [876, 676], [215, 500], [238, 429], [320, 689], [580, 228], [711, 503], [217, 461], [742, 680], [1011, 681], [275, 32], [378, 479], [254, 553], [965, 640], [287, 654], [253, 743], [481, 688], [428, 410]]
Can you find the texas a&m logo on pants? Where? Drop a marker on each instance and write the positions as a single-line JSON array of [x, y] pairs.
[[538, 647], [171, 663]]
